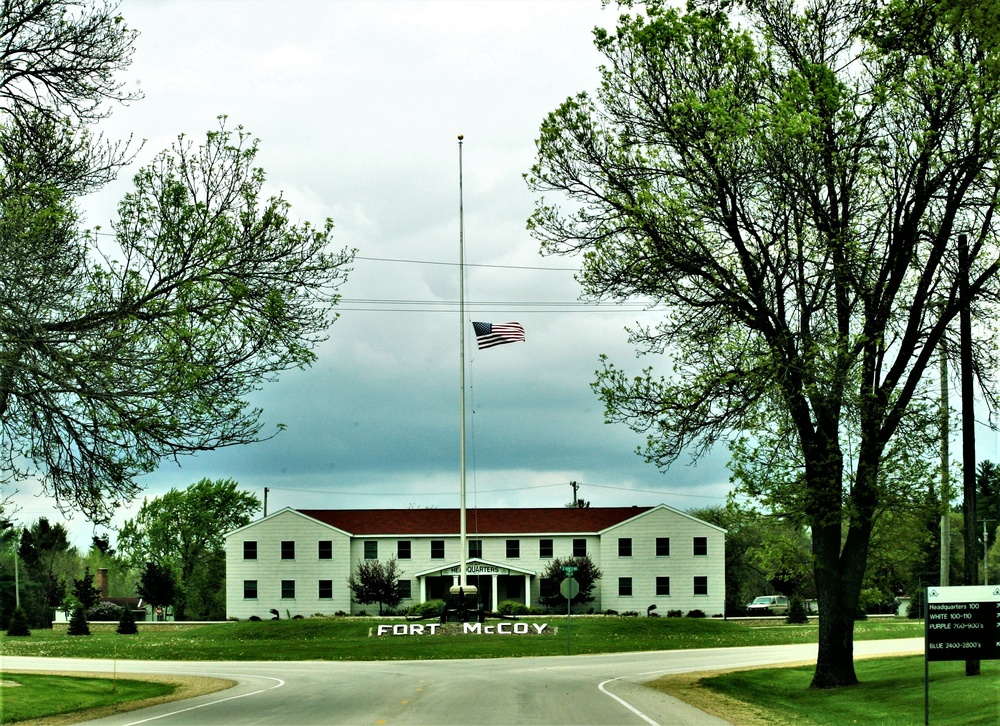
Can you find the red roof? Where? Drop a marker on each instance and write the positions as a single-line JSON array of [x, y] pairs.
[[478, 521]]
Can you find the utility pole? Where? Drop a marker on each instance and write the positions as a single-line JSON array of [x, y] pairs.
[[575, 487], [986, 553], [945, 473], [266, 490]]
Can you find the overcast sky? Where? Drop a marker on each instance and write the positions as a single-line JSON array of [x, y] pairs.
[[358, 106]]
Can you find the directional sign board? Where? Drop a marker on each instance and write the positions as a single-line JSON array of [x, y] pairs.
[[963, 623], [570, 569]]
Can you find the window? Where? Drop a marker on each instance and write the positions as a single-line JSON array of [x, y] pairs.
[[625, 586], [325, 549], [663, 547], [475, 548], [662, 585], [326, 589], [437, 549], [624, 546], [288, 589], [700, 546], [403, 549], [579, 548], [371, 549], [700, 585], [405, 589], [545, 549], [513, 548], [249, 589], [250, 550], [288, 550]]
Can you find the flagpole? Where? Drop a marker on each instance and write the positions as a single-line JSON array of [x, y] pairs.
[[463, 534]]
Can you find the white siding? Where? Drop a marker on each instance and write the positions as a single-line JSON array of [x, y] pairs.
[[306, 570], [682, 566]]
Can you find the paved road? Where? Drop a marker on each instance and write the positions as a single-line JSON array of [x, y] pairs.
[[600, 689]]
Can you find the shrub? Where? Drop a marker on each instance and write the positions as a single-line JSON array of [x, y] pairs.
[[429, 609], [340, 614], [630, 614], [105, 611], [297, 617], [609, 611], [254, 619], [512, 607], [674, 613], [18, 625], [78, 623], [127, 626], [696, 614], [796, 612]]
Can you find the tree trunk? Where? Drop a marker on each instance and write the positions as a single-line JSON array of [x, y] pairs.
[[835, 655]]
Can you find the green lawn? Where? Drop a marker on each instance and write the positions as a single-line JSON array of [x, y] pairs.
[[348, 639], [890, 693], [36, 696]]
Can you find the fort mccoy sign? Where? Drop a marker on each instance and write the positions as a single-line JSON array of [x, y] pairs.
[[504, 627]]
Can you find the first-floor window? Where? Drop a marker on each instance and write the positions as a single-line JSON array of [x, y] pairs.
[[249, 589], [288, 589], [700, 585], [326, 589], [405, 589], [662, 585], [625, 586]]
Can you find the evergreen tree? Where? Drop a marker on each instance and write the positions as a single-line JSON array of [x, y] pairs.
[[18, 623], [78, 622], [127, 626]]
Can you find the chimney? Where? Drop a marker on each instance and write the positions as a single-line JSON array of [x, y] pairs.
[[102, 582]]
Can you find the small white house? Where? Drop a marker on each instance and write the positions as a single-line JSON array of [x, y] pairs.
[[299, 561]]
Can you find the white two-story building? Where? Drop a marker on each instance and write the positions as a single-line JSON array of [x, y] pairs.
[[299, 561]]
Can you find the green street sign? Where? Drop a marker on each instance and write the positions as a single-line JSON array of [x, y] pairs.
[[569, 569]]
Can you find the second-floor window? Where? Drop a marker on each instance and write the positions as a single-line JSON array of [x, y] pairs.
[[325, 549], [579, 548], [371, 549], [437, 549], [545, 549], [475, 548], [663, 547], [700, 546], [288, 549], [513, 548], [403, 549], [250, 550], [624, 546]]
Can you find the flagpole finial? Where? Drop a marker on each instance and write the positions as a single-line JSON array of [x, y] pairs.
[[461, 136]]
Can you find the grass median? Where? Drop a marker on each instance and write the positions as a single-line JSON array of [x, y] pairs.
[[354, 639], [25, 696]]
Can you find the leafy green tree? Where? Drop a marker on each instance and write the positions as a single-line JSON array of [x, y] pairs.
[[802, 196], [184, 531], [49, 563], [374, 581], [587, 574], [157, 585], [84, 591], [146, 346]]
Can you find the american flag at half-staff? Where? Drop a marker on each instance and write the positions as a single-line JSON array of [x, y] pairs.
[[491, 334]]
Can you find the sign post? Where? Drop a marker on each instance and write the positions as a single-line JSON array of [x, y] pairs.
[[961, 623], [569, 588]]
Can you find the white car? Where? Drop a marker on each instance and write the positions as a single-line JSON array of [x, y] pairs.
[[768, 605]]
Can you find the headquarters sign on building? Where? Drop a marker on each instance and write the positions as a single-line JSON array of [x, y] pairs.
[[299, 560]]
